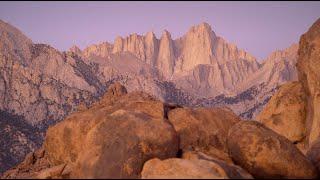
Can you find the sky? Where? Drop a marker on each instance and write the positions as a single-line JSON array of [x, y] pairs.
[[257, 27]]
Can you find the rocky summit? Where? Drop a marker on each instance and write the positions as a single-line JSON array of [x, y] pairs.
[[145, 107]]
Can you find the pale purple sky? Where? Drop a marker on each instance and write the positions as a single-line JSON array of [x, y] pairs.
[[257, 27]]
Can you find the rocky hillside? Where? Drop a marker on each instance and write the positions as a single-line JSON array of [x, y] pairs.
[[134, 135], [17, 139]]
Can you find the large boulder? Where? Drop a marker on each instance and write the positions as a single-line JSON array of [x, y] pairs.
[[113, 138], [176, 168], [202, 128], [265, 154], [308, 66], [285, 113]]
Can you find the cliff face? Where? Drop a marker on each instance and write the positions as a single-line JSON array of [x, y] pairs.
[[166, 57], [308, 71]]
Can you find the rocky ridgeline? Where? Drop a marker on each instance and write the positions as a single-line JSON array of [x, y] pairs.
[[42, 84], [134, 135]]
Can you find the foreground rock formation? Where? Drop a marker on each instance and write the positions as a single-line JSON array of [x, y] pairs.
[[134, 135], [286, 113], [293, 111], [308, 72], [265, 154], [202, 128]]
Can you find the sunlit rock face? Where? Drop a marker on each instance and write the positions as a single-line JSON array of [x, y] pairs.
[[308, 71]]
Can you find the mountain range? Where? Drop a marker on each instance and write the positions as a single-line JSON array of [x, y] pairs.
[[40, 85]]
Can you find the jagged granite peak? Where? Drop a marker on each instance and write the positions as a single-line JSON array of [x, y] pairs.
[[225, 51], [166, 57], [288, 53], [203, 27], [134, 44], [197, 47], [117, 45], [101, 50], [279, 67], [151, 48], [14, 32], [75, 49]]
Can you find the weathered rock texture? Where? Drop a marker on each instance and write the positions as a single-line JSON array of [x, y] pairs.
[[113, 138], [17, 139], [265, 154], [202, 128], [286, 112], [232, 171], [313, 154], [308, 70], [182, 169]]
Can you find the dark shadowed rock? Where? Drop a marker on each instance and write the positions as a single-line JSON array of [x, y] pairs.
[[266, 154], [313, 154], [202, 128], [116, 89], [33, 164]]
